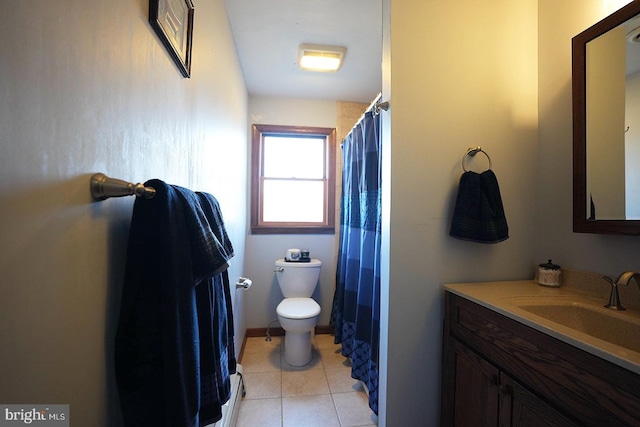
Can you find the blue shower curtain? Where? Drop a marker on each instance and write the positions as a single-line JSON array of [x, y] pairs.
[[355, 315]]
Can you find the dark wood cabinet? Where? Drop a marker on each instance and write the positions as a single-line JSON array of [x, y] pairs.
[[475, 390], [521, 408], [499, 372]]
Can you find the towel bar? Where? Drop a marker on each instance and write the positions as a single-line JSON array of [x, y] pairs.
[[103, 187]]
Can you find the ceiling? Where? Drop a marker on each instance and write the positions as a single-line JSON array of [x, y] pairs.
[[267, 34]]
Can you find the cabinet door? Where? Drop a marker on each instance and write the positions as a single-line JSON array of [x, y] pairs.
[[520, 408], [476, 390]]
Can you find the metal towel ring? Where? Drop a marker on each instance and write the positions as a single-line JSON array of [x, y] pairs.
[[472, 151]]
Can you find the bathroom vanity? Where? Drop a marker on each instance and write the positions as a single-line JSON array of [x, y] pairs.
[[512, 356]]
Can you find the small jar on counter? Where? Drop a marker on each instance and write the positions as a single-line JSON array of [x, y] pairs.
[[549, 274]]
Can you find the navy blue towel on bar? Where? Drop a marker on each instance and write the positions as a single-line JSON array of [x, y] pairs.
[[174, 342]]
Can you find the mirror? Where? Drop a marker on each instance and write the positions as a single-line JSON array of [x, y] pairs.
[[606, 125]]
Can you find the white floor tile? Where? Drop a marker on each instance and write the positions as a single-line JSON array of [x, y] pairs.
[[304, 383], [260, 412], [353, 409], [309, 411], [261, 362], [263, 385]]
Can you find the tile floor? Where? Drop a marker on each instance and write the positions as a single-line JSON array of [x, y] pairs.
[[321, 394]]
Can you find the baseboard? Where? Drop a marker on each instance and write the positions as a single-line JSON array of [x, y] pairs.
[[324, 329], [262, 332], [278, 331]]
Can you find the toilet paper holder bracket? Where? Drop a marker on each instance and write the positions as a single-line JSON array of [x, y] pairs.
[[243, 283]]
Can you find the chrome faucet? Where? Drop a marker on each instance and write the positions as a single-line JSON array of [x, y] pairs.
[[623, 279]]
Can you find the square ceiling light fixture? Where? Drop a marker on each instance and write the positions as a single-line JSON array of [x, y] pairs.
[[313, 57]]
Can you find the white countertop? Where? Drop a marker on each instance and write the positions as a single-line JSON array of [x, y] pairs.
[[502, 296]]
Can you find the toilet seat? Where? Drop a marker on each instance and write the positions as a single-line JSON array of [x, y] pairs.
[[298, 308]]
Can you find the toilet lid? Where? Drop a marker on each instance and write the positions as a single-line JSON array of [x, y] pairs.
[[298, 308]]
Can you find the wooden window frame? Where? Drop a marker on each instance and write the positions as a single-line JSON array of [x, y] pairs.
[[260, 227]]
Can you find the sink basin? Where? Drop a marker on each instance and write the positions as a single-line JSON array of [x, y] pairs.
[[621, 328]]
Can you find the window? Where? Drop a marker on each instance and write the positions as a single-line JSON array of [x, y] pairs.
[[293, 180]]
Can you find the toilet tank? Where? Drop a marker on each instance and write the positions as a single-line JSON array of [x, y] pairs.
[[298, 279]]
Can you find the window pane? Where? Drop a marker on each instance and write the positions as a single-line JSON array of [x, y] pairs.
[[293, 201], [293, 157]]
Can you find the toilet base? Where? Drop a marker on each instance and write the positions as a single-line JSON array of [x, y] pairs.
[[297, 348]]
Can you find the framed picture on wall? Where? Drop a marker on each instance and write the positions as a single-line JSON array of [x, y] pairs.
[[173, 22]]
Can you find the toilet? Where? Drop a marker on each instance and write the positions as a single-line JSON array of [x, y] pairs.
[[298, 312]]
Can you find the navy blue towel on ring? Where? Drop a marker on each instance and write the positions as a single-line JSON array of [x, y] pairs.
[[478, 215]]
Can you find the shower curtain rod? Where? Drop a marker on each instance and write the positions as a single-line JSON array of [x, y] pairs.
[[375, 106]]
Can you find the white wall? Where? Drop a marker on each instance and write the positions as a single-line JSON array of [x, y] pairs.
[[262, 250], [559, 22], [461, 74], [88, 87]]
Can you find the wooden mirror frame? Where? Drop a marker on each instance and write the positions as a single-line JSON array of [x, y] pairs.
[[579, 44]]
